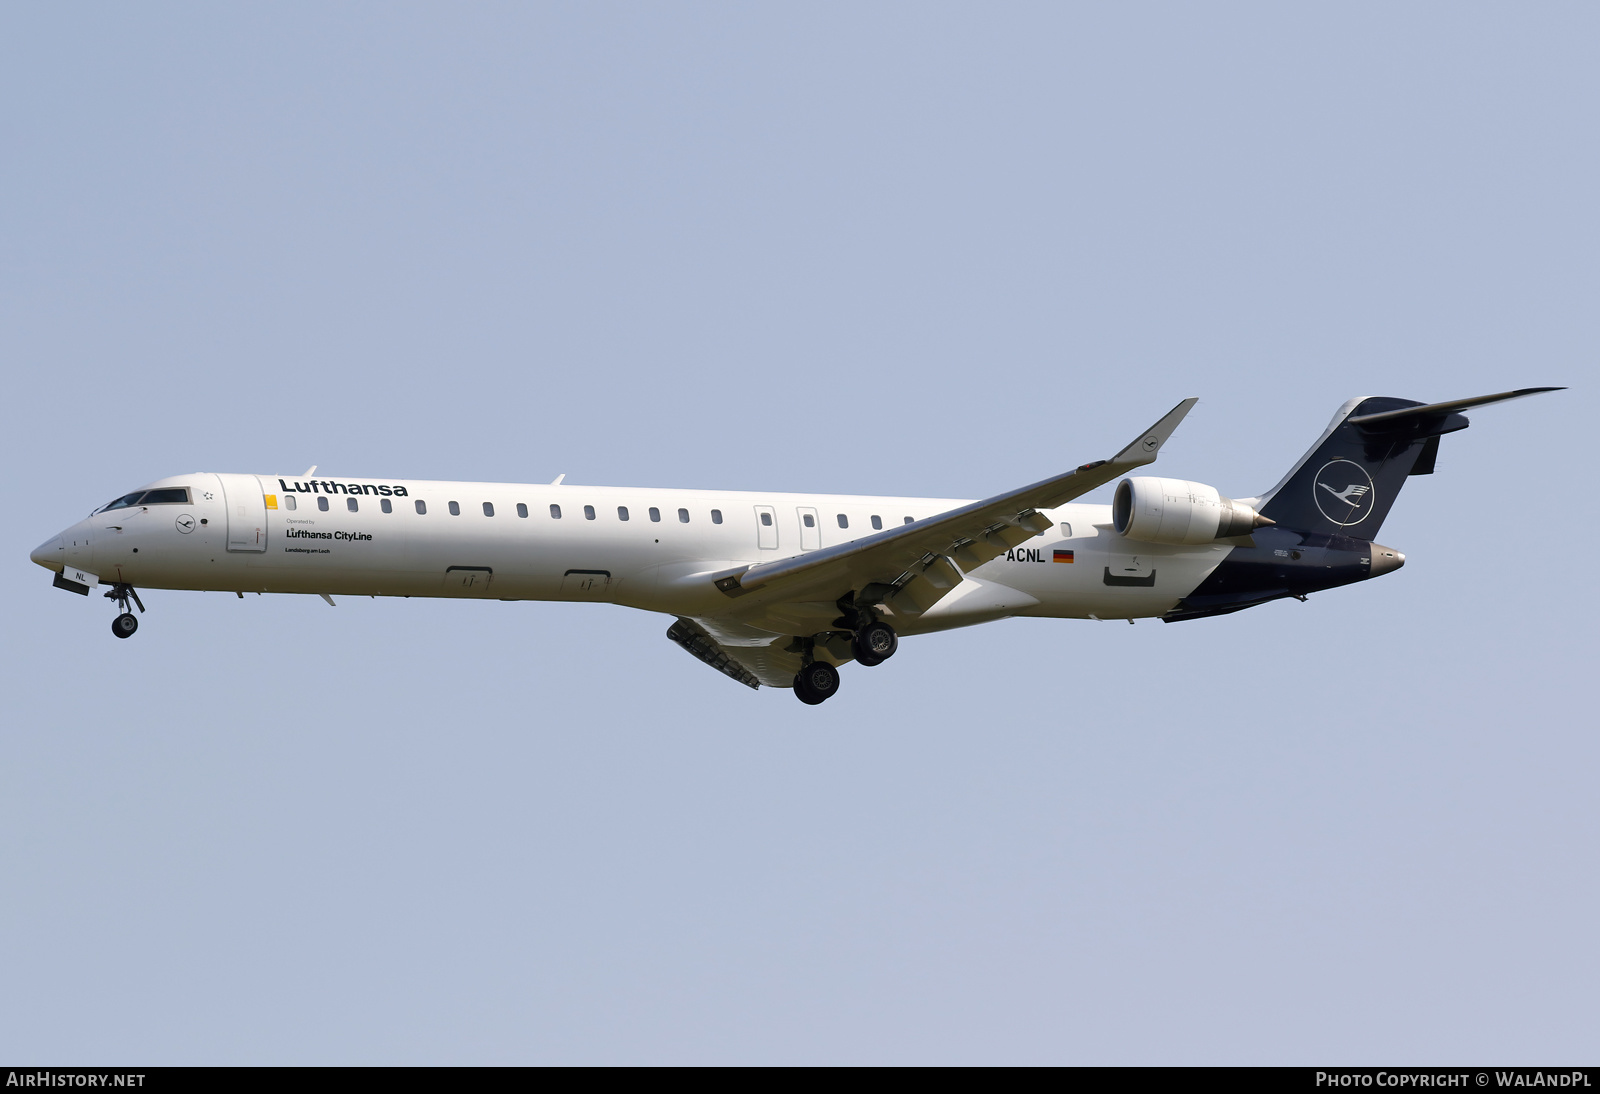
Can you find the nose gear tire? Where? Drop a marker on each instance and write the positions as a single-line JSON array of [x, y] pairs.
[[124, 625]]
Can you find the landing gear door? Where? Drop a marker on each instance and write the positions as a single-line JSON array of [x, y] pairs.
[[247, 512]]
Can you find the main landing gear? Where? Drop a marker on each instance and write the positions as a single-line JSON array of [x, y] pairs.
[[125, 624], [874, 644], [818, 681]]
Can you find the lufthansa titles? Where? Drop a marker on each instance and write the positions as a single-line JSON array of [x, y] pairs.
[[323, 486], [306, 533]]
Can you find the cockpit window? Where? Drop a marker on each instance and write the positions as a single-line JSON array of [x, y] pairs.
[[172, 495], [122, 502]]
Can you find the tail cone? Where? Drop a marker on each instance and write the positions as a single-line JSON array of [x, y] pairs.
[[1385, 559]]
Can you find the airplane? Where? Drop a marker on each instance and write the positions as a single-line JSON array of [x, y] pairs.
[[780, 590]]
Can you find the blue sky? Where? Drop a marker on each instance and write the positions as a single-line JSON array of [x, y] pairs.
[[910, 249]]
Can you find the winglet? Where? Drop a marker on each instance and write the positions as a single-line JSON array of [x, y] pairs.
[[1144, 450]]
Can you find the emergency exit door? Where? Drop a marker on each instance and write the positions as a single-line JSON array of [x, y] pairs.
[[766, 528], [810, 529]]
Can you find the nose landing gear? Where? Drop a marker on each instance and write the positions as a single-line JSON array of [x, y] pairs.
[[125, 624]]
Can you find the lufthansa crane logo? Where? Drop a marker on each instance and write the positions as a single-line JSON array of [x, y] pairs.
[[1344, 494]]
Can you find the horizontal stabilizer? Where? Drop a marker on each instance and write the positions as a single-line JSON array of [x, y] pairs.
[[1439, 410]]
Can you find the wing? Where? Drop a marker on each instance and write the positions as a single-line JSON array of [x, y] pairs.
[[911, 567], [746, 654]]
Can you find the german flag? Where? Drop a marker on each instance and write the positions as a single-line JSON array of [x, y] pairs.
[[1063, 556]]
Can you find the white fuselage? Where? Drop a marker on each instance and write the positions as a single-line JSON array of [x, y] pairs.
[[247, 533]]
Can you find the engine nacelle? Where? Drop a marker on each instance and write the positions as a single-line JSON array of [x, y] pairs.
[[1177, 512]]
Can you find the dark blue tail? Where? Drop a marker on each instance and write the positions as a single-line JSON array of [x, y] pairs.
[[1346, 484]]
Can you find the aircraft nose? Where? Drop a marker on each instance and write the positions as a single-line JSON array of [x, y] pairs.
[[1385, 559], [51, 554]]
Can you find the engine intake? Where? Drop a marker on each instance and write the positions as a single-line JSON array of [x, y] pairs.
[[1173, 511]]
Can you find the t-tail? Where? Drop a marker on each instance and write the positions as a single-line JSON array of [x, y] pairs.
[[1346, 484], [1321, 521]]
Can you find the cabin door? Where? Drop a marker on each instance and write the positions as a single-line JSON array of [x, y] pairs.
[[247, 512]]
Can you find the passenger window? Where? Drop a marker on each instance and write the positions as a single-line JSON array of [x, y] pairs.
[[844, 521], [716, 516], [289, 502], [766, 520], [455, 509], [655, 514], [385, 504], [1066, 529], [588, 512], [522, 509], [909, 521], [351, 504], [488, 508], [322, 503], [683, 516], [422, 507], [811, 521], [622, 512], [877, 522], [555, 512]]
